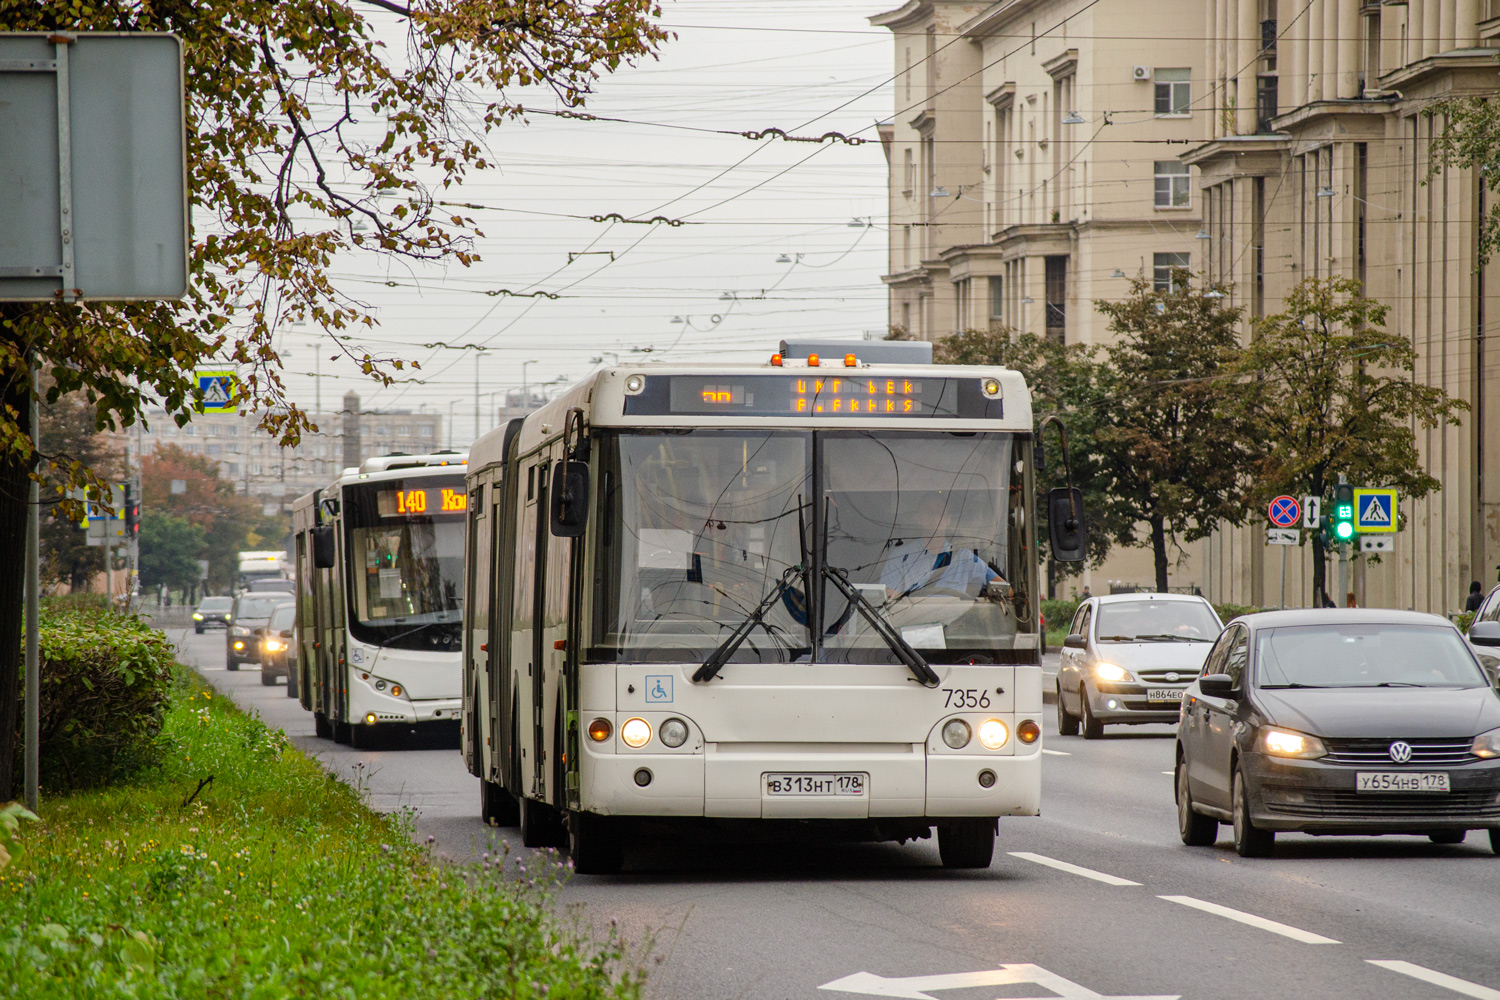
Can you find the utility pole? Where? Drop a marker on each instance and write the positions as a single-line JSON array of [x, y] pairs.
[[32, 738]]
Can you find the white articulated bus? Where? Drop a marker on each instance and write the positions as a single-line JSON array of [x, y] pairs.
[[379, 562], [799, 592]]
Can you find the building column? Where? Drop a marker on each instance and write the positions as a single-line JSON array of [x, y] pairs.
[[1466, 24], [1314, 81], [1431, 28], [1245, 66], [1223, 37], [1446, 35], [1330, 79], [1295, 80], [1416, 16]]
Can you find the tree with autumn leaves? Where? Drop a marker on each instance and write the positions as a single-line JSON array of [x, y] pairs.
[[309, 140]]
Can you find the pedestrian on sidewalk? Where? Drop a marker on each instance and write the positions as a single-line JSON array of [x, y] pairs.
[[1349, 601], [1476, 596]]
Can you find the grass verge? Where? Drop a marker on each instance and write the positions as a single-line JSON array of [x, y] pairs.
[[271, 880]]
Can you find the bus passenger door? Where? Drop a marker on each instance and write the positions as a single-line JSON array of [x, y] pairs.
[[526, 683], [476, 687], [541, 535]]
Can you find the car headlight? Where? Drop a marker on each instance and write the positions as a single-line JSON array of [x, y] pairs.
[[274, 645], [673, 732], [636, 733], [1486, 744], [1111, 672], [197, 617], [956, 734], [1285, 743], [993, 734]]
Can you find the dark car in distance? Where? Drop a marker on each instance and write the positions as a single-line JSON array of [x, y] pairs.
[[278, 649], [247, 626], [1338, 721], [212, 611]]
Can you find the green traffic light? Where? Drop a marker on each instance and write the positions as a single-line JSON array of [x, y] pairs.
[[1344, 530]]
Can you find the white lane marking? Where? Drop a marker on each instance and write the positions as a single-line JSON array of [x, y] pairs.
[[1169, 772], [1057, 753], [1275, 927], [1442, 979], [1019, 974], [1063, 866]]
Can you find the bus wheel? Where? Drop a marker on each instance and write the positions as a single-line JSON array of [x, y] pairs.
[[539, 824], [966, 843], [497, 807], [594, 844], [341, 733], [322, 728], [291, 683]]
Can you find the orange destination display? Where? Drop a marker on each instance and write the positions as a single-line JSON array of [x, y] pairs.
[[421, 502], [815, 395]]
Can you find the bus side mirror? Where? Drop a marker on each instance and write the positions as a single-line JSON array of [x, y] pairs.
[[322, 547], [1070, 531], [570, 498]]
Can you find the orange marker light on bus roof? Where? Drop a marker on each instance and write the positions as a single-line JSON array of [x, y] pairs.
[[776, 361], [812, 361], [850, 361]]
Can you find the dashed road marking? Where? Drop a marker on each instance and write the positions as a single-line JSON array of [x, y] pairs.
[[1064, 866], [1173, 773], [1057, 753], [1442, 979], [1250, 919]]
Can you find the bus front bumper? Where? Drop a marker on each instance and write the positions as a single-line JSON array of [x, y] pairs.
[[752, 784]]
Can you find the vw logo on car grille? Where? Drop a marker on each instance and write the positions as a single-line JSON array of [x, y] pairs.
[[1171, 675], [1400, 752]]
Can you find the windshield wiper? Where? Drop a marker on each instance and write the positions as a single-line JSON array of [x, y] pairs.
[[883, 628], [1170, 637], [736, 639], [1294, 684], [1117, 638]]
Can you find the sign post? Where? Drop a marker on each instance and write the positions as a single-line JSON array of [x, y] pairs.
[[93, 205], [1284, 513]]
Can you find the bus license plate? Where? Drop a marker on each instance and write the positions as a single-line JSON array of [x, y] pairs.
[[1164, 694], [1390, 781], [824, 783]]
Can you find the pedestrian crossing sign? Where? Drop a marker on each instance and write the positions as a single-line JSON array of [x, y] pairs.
[[218, 391], [1375, 510]]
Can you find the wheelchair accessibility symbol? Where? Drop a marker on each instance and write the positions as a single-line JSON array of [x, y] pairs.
[[658, 689]]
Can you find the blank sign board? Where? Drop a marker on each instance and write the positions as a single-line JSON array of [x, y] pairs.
[[93, 201]]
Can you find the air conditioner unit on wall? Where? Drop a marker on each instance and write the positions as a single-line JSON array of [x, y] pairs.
[[1140, 72]]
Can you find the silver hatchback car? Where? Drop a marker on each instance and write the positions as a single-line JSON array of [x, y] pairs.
[[1128, 657]]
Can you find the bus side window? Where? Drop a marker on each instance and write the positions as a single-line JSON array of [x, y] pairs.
[[526, 551]]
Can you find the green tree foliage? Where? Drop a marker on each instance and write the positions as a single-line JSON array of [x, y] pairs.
[[71, 444], [309, 141], [1070, 381], [1468, 136], [170, 548], [225, 520], [1169, 446], [1331, 392]]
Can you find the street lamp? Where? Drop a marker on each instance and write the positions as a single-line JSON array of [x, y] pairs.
[[525, 395]]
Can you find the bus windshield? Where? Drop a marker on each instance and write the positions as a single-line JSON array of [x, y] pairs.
[[405, 548], [700, 527]]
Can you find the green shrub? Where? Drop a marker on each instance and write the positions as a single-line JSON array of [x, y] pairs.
[[106, 681], [1463, 619], [1228, 611], [1059, 614], [80, 600]]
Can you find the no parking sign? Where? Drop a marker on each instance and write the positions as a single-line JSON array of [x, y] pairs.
[[1285, 511]]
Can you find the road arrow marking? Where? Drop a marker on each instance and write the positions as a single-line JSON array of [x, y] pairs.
[[1442, 979], [916, 987]]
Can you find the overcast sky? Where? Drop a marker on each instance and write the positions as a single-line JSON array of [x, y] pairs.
[[805, 67]]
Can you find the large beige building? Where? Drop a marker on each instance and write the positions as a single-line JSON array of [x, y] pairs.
[[1329, 177], [1033, 159]]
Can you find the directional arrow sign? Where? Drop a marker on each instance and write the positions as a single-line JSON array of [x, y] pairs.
[[917, 987]]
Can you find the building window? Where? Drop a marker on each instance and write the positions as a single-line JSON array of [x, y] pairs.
[[1163, 270], [233, 468], [906, 246], [1173, 184], [1057, 297], [214, 449], [997, 298], [403, 430], [910, 175], [190, 431], [1174, 92], [1266, 100], [427, 432], [213, 430]]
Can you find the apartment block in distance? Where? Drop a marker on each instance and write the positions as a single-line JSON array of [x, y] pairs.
[[1319, 166]]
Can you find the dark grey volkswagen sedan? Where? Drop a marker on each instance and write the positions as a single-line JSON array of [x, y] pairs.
[[1339, 721]]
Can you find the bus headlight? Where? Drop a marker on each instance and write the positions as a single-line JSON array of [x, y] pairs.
[[956, 734], [993, 734], [599, 730], [636, 733], [674, 733]]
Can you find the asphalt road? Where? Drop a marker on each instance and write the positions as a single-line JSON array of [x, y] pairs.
[[1097, 897]]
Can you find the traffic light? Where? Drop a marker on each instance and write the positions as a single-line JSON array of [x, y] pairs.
[[132, 512], [1342, 520]]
